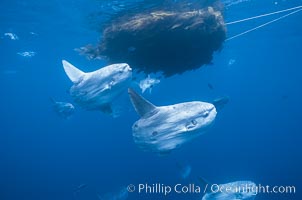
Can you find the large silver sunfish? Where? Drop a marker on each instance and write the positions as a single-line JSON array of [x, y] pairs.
[[97, 90], [165, 128]]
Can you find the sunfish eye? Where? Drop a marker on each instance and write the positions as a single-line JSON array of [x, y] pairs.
[[194, 122], [122, 68], [154, 133]]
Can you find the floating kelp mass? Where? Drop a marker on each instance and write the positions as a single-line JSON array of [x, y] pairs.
[[166, 41]]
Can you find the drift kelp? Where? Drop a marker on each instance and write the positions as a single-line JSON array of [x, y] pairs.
[[163, 40]]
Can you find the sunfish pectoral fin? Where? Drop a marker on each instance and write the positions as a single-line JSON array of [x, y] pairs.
[[106, 87], [141, 105], [220, 102], [106, 109], [73, 73]]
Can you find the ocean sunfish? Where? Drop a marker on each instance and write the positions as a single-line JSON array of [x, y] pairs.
[[162, 129], [148, 83], [63, 109], [238, 190], [97, 90]]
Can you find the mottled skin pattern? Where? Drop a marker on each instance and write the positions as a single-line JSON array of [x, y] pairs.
[[97, 90], [166, 128]]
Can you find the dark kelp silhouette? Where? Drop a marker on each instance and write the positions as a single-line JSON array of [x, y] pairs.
[[162, 39]]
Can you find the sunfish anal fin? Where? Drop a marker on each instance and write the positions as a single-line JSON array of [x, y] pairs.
[[141, 105], [73, 73]]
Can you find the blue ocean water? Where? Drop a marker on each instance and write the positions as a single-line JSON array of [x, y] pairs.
[[257, 135]]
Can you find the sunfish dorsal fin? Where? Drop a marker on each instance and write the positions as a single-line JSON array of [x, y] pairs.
[[141, 105], [73, 73]]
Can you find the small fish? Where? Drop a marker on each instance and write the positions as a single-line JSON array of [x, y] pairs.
[[27, 54], [11, 36], [63, 109], [231, 62], [33, 33], [148, 83], [210, 86]]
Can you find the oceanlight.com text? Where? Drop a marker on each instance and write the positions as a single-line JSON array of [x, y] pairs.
[[253, 189], [165, 189]]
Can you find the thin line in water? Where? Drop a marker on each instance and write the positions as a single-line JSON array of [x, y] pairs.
[[264, 15], [262, 25]]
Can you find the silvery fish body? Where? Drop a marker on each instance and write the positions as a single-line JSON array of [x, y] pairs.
[[63, 109], [148, 83], [238, 190], [163, 129], [97, 90]]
